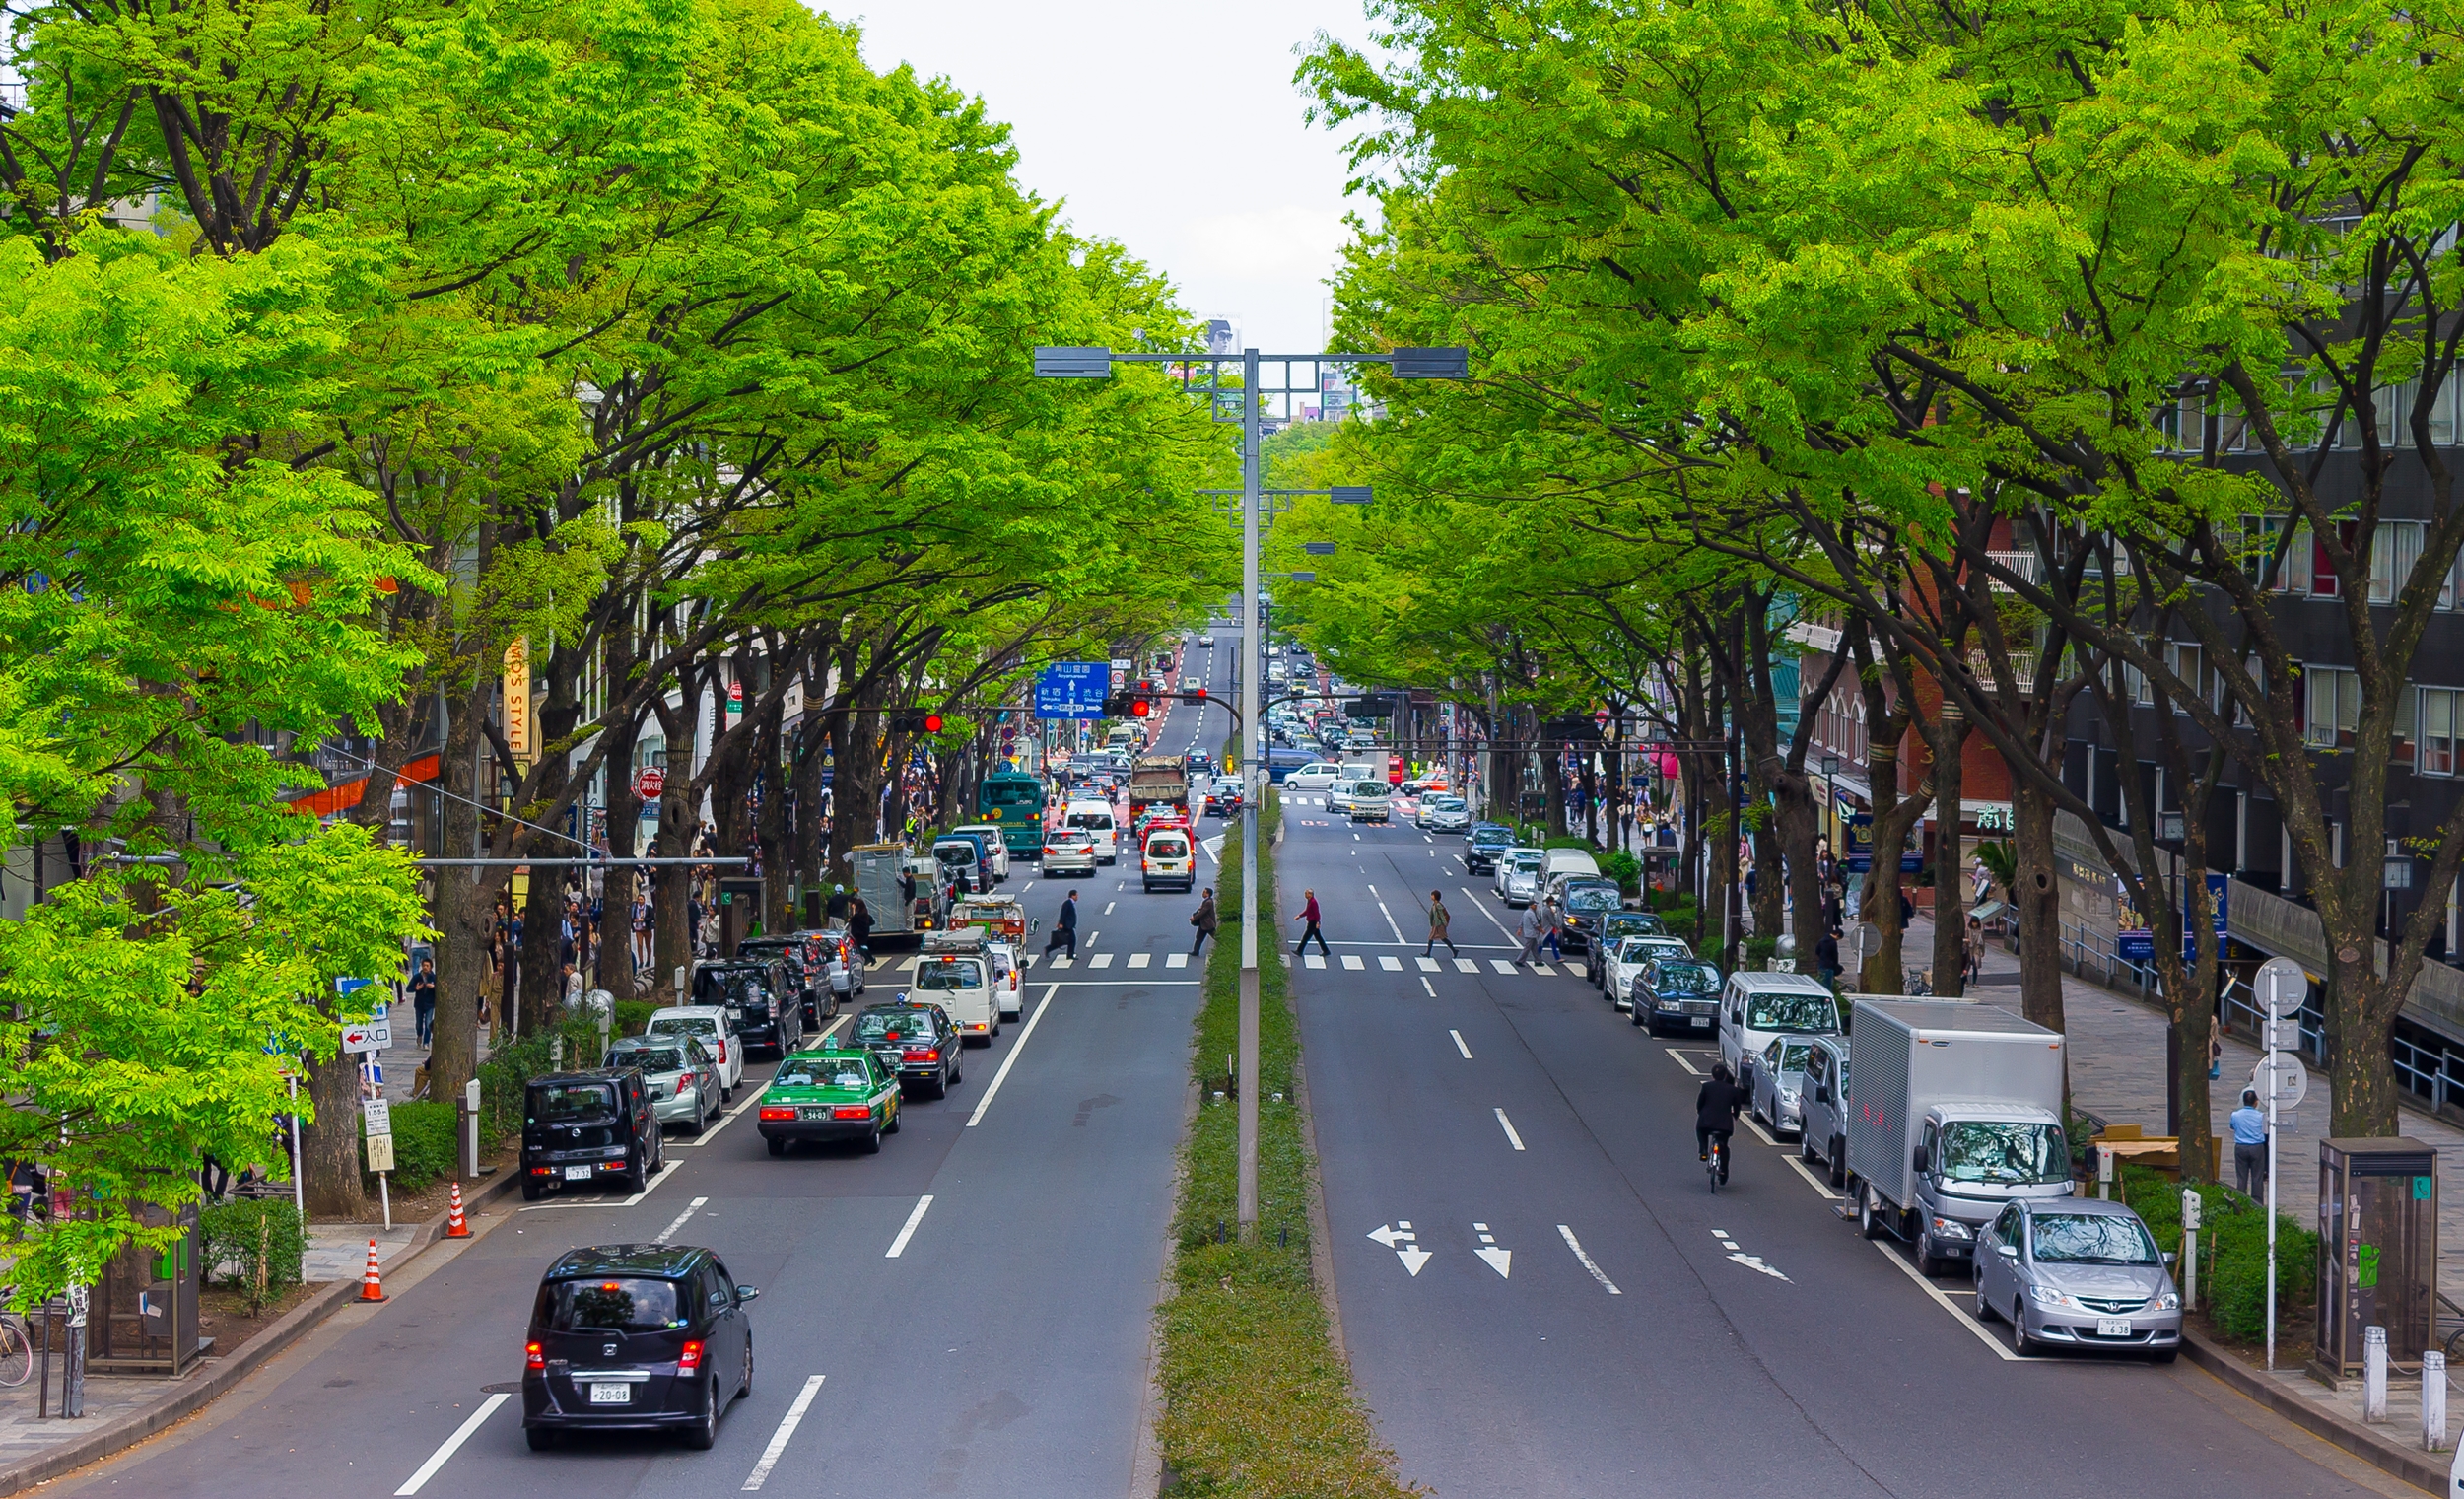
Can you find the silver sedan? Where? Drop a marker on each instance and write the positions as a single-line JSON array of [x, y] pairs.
[[2076, 1272], [681, 1075], [1779, 1085]]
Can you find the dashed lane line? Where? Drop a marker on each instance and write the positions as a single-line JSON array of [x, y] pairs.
[[1598, 1273], [786, 1428], [1460, 1046], [452, 1445], [1507, 1125]]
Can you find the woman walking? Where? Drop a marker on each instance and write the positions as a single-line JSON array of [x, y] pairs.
[[1439, 920]]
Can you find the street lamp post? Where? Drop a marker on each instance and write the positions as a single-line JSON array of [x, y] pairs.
[[1095, 363]]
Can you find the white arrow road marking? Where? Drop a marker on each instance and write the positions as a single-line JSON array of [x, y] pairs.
[[1387, 1236], [1507, 1125], [1499, 1260], [1749, 1262], [452, 1445], [1596, 1274], [1401, 1239], [669, 1232], [1459, 1046], [898, 1246], [1415, 1257], [787, 1429]]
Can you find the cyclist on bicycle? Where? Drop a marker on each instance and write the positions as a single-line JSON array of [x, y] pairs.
[[1716, 1108]]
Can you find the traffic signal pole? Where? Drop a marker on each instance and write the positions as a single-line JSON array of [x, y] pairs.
[[1252, 786]]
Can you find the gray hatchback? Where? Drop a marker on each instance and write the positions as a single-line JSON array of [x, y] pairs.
[[2078, 1273]]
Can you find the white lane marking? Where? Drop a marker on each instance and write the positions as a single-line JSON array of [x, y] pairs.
[[1011, 1060], [1499, 1260], [898, 1246], [1460, 1046], [1465, 965], [1108, 906], [1948, 1305], [1596, 1273], [1485, 910], [1682, 1062], [1431, 988], [1428, 965], [1176, 960], [1211, 845], [1759, 1133], [1100, 960], [669, 1232], [1507, 1125], [1092, 935], [1389, 923], [1138, 959], [452, 1445], [787, 1429], [1502, 965], [1062, 963], [1401, 1239], [1313, 961], [665, 1172], [1811, 1180], [1029, 885], [1353, 963], [1355, 838], [1539, 967], [1390, 963]]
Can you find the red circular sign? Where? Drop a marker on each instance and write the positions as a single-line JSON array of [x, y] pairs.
[[650, 782]]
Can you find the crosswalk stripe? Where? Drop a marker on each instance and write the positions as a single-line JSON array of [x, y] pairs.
[[1177, 960], [1390, 963], [1428, 965], [1313, 961], [1353, 963], [1502, 965]]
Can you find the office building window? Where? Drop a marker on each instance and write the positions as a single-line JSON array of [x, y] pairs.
[[2440, 723], [2394, 548], [2331, 705]]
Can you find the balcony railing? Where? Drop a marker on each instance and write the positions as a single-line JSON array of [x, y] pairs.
[[2026, 564]]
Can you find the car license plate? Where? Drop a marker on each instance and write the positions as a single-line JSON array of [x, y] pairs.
[[2113, 1326], [611, 1394], [576, 1173], [811, 1110], [1702, 1022]]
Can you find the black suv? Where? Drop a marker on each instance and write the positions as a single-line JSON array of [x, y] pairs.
[[1482, 844], [635, 1337], [762, 994], [1605, 934], [584, 1127], [800, 957]]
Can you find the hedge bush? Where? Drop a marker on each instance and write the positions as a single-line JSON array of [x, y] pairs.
[[1625, 870], [260, 1241], [2232, 1287], [1256, 1402], [633, 1016], [424, 1150]]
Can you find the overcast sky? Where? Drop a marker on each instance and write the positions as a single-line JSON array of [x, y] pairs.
[[1132, 115]]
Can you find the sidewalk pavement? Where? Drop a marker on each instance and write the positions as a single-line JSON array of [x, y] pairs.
[[2116, 1045]]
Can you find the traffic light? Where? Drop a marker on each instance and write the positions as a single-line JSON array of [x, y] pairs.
[[1140, 705], [913, 720]]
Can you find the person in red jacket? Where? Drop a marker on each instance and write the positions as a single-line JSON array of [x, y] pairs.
[[1309, 914]]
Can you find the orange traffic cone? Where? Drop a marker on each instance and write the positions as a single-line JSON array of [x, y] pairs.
[[455, 1227], [371, 1286]]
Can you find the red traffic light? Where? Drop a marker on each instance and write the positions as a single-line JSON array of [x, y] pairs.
[[1198, 694], [1139, 707], [933, 723]]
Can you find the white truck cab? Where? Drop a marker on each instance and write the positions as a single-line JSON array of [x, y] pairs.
[[955, 972]]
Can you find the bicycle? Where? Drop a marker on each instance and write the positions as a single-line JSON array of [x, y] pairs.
[[17, 1349], [1919, 982], [1715, 1165]]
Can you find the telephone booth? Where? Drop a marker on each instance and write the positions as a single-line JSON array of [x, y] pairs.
[[143, 1318], [2378, 1252]]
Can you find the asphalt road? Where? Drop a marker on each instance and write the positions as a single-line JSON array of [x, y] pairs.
[[1637, 1334], [976, 1301]]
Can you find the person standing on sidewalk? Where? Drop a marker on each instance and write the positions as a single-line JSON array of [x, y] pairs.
[[1203, 919], [424, 1000], [1529, 929], [1065, 927], [1439, 921], [1309, 916], [1826, 958], [2249, 1126]]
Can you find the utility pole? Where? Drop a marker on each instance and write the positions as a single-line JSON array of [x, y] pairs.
[[1095, 363]]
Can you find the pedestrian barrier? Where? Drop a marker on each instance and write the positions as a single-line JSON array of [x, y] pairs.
[[454, 1225], [372, 1285]]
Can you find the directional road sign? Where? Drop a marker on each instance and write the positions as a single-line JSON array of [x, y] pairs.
[[2281, 985], [1072, 690]]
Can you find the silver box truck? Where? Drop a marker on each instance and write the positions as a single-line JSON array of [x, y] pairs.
[[878, 867], [1953, 1109]]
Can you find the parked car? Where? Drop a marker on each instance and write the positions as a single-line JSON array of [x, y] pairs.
[[1677, 994], [996, 849], [761, 996], [583, 1129], [1822, 1106], [802, 957], [2078, 1273], [828, 1095], [1755, 1008], [1613, 925], [715, 1028], [1483, 844], [1581, 904], [1517, 880], [1628, 958], [681, 1073], [842, 976], [633, 1337], [914, 1041], [1067, 850], [1779, 1084], [955, 970], [1005, 978]]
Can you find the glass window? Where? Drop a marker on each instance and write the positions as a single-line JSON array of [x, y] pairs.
[[951, 973], [893, 1025], [628, 1305], [2005, 1155], [1792, 1012], [685, 1024], [850, 1071], [2332, 706], [648, 1058], [2441, 720], [2092, 1239], [566, 1103], [1684, 979], [2394, 549]]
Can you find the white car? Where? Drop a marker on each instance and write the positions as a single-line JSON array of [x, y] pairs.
[[1368, 800], [1628, 958], [955, 972], [1444, 813], [1316, 776], [1005, 978], [1517, 882], [993, 836], [1095, 820], [716, 1026], [1338, 795], [1067, 850], [1206, 642], [1168, 860]]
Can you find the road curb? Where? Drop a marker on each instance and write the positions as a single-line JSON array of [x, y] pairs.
[[202, 1390], [2415, 1469]]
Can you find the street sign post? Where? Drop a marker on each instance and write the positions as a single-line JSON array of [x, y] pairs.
[[378, 1117], [373, 1034], [1072, 690], [2281, 985]]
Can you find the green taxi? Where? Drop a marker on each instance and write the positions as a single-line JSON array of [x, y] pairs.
[[829, 1094]]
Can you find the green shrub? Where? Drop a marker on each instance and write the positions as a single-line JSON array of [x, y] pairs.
[[508, 1067], [259, 1242], [2232, 1287], [1625, 870], [423, 1144], [1759, 951], [633, 1016]]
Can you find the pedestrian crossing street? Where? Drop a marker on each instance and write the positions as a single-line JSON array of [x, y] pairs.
[[1391, 964], [1033, 960]]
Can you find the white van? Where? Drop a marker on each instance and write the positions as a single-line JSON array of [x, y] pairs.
[[991, 835], [1558, 863], [1368, 800], [1094, 819], [1757, 1008], [955, 972], [1168, 860]]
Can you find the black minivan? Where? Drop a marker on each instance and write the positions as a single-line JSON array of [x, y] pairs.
[[584, 1127], [635, 1337]]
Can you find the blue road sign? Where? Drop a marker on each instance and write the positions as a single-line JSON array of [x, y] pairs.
[[1072, 690]]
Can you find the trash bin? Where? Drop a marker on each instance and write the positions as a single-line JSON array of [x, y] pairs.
[[2378, 1252]]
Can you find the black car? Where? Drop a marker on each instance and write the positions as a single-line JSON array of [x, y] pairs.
[[801, 957], [760, 992], [917, 1042], [1585, 903], [635, 1337], [1610, 927], [585, 1127], [1679, 995], [1482, 843]]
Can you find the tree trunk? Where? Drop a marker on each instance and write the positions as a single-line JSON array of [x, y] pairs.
[[1554, 787], [329, 1146], [1893, 820], [2037, 901], [1948, 738], [462, 912]]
